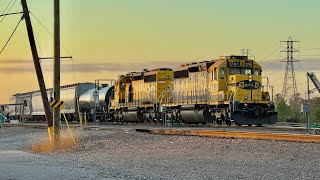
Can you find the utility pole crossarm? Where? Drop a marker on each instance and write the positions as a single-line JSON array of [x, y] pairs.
[[62, 57], [7, 14]]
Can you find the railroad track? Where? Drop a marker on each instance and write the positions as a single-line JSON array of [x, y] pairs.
[[236, 134], [212, 127], [297, 129]]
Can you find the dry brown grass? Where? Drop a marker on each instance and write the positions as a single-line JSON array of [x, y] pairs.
[[44, 145]]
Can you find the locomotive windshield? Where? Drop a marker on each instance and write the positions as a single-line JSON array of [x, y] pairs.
[[246, 71], [233, 71], [257, 71]]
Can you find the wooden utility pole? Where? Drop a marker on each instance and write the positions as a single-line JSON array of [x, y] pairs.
[[56, 79], [38, 69]]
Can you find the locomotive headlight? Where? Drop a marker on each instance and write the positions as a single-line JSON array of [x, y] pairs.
[[168, 77], [250, 78], [245, 97]]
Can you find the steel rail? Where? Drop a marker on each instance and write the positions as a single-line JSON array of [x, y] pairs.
[[245, 135]]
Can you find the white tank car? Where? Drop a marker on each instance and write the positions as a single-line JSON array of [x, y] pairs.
[[86, 102]]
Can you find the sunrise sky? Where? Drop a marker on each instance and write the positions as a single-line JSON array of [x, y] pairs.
[[110, 37]]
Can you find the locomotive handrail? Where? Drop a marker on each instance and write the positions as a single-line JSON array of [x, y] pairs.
[[234, 93], [256, 107]]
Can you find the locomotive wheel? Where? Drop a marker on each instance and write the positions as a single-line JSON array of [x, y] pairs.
[[239, 124], [219, 122], [154, 121], [178, 122], [249, 125], [204, 123], [228, 122], [259, 125]]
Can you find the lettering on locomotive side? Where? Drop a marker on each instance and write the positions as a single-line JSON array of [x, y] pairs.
[[246, 84], [233, 64], [248, 64], [236, 64]]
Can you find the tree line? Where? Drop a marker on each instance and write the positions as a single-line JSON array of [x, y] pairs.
[[290, 111]]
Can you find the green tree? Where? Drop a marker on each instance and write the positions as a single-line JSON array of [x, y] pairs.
[[316, 115], [295, 105], [284, 111], [277, 98], [314, 103]]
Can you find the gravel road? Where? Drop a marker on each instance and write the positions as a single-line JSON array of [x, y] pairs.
[[122, 153]]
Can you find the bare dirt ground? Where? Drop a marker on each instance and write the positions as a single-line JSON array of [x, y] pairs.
[[122, 153]]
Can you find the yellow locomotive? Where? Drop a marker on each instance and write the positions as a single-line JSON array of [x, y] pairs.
[[138, 95], [224, 90]]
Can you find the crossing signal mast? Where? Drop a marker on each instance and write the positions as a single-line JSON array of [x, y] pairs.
[[289, 84]]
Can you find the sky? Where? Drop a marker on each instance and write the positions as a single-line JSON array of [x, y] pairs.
[[107, 38]]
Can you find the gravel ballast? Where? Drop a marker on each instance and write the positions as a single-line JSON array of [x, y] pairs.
[[123, 153]]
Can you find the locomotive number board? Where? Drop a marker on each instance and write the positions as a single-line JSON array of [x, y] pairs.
[[242, 64]]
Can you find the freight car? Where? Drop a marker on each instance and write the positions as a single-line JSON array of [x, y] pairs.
[[100, 109], [14, 112], [224, 90], [221, 91], [34, 111]]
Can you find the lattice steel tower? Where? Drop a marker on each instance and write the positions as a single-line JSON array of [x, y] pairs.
[[289, 84]]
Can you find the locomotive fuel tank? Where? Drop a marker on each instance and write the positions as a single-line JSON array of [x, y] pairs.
[[192, 114], [133, 115]]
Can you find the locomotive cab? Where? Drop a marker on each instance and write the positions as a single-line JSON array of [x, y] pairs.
[[236, 82]]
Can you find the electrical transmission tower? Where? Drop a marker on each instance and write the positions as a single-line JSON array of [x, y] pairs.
[[289, 84], [247, 52]]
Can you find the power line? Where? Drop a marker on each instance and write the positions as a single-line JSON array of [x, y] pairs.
[[41, 52], [74, 76], [311, 49], [6, 10], [269, 63], [275, 50], [14, 1], [11, 35], [318, 55], [48, 31]]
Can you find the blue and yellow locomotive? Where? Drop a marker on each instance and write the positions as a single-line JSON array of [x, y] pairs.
[[224, 90], [221, 91]]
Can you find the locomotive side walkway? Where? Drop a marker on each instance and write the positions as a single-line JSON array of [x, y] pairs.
[[236, 134]]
